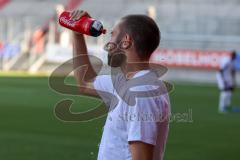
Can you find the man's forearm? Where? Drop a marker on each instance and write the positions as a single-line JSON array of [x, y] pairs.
[[80, 59]]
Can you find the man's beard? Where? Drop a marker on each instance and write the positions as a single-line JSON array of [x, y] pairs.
[[116, 59]]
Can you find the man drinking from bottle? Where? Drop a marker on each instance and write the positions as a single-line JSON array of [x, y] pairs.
[[134, 128]]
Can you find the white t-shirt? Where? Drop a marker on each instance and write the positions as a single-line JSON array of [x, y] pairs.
[[225, 78], [143, 121]]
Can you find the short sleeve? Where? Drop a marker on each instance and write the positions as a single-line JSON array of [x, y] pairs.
[[104, 86], [143, 124], [103, 83]]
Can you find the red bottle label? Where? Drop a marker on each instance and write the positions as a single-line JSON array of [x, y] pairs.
[[82, 25], [65, 21]]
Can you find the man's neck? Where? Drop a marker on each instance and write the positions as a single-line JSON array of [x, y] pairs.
[[131, 69]]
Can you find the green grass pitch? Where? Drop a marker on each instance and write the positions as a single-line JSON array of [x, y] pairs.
[[30, 131]]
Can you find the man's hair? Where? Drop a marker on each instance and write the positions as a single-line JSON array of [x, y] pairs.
[[145, 33], [234, 55]]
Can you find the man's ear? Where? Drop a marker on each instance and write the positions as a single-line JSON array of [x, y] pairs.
[[127, 37], [127, 42]]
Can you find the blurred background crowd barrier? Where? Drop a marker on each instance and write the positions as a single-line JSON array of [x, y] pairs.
[[196, 35]]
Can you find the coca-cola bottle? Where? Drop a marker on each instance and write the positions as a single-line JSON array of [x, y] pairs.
[[85, 25]]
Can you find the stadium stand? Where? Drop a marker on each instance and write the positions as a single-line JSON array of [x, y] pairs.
[[199, 24]]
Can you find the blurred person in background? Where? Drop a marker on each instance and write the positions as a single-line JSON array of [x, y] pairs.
[[226, 78]]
